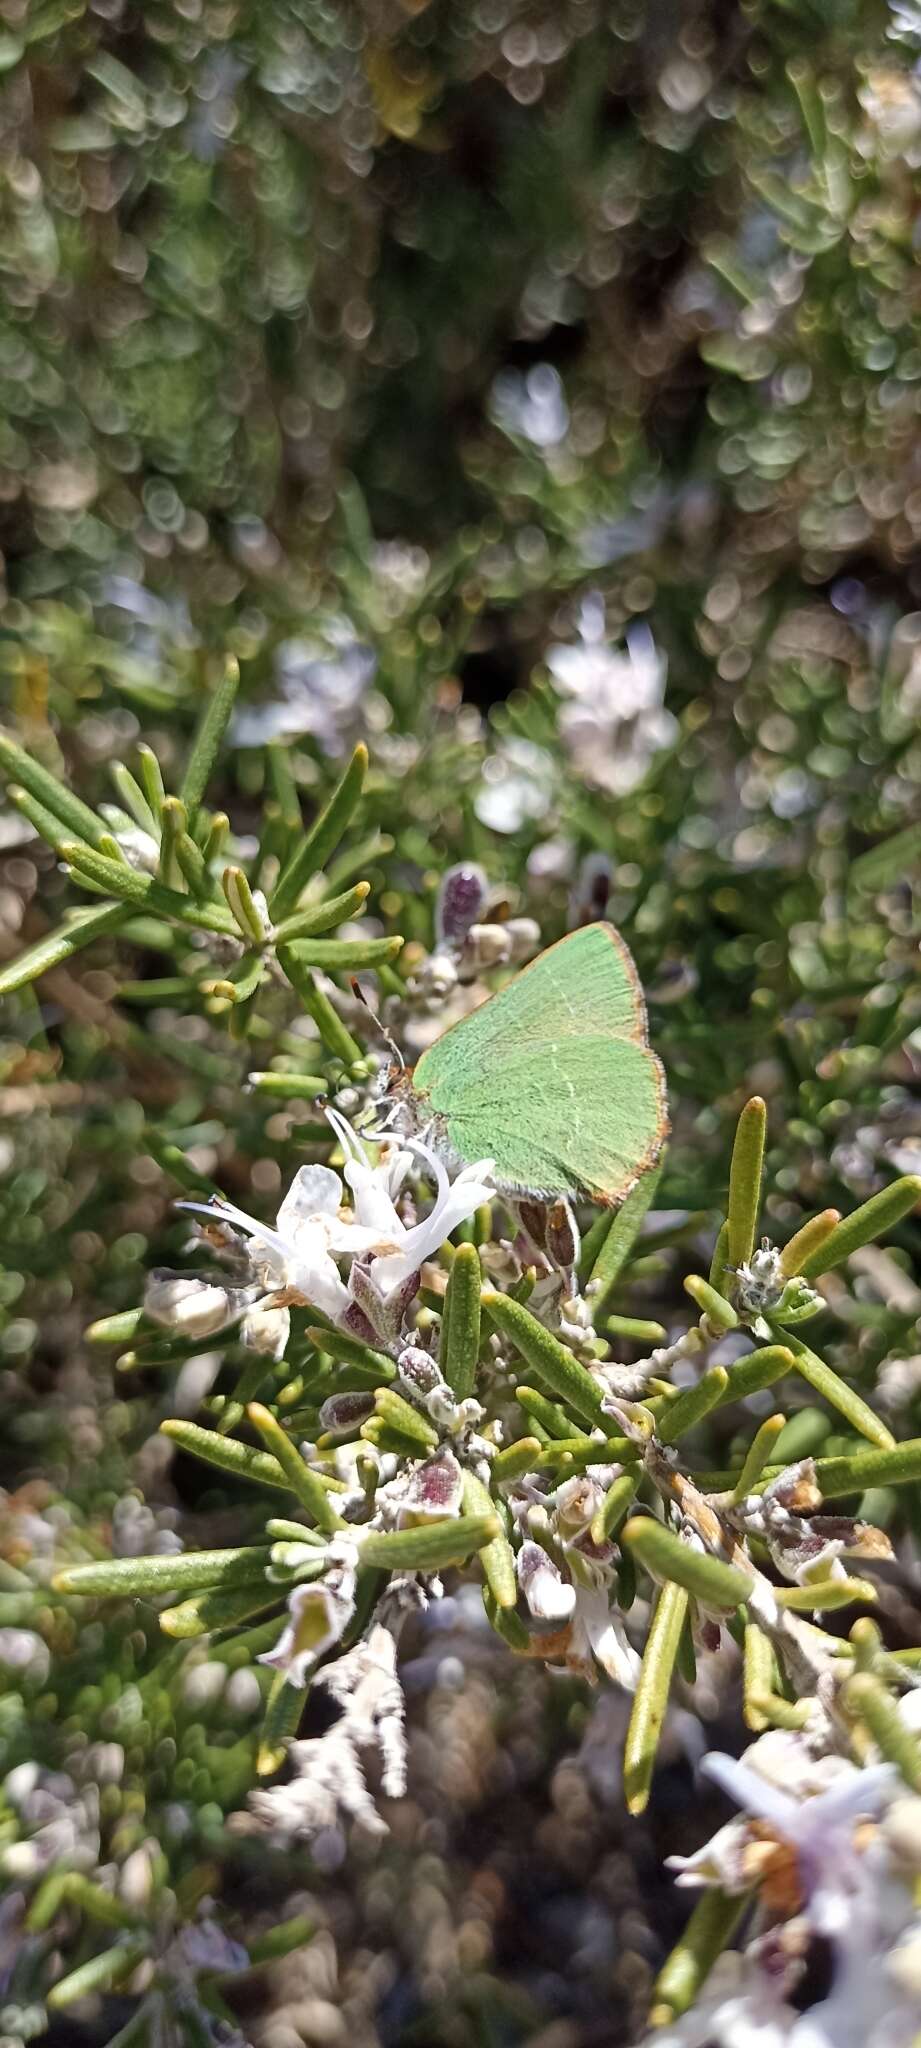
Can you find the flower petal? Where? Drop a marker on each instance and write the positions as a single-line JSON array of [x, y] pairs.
[[314, 1191], [317, 1616], [548, 1596]]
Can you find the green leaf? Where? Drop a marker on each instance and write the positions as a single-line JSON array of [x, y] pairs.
[[557, 1367], [336, 1037], [115, 1329], [665, 1556], [221, 1607], [402, 1416], [690, 1407], [899, 1467], [508, 1625], [375, 1366], [620, 1237], [291, 1087], [711, 1303], [146, 1577], [104, 1972], [432, 1545], [325, 915], [343, 956], [650, 1700], [577, 1452], [240, 1652], [885, 863], [281, 1941], [836, 1392], [283, 1710], [614, 1507], [83, 927], [133, 798], [867, 1698], [208, 738], [242, 1460], [808, 1242], [745, 1181], [249, 1383], [173, 821], [117, 879], [242, 907], [322, 839], [880, 1214], [151, 778], [302, 1479], [517, 1458], [51, 829], [192, 867], [635, 1328], [812, 107], [709, 1930], [758, 1455], [546, 1414], [284, 785], [719, 1275], [53, 795], [760, 1369], [759, 1674], [460, 1322], [497, 1558], [820, 1595]]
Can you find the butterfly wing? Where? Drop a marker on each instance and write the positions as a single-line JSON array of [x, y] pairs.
[[554, 1078]]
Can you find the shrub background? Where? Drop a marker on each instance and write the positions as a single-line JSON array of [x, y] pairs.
[[398, 330]]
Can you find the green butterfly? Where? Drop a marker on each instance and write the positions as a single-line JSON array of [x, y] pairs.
[[553, 1078]]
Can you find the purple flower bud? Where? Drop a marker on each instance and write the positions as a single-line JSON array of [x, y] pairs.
[[384, 1315], [354, 1320], [346, 1411], [460, 903], [434, 1490], [418, 1371]]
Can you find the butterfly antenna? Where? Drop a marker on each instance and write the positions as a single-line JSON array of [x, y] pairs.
[[389, 1041]]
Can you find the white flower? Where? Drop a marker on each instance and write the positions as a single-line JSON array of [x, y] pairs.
[[296, 1260], [400, 574], [615, 721], [517, 785], [599, 1637], [321, 684], [587, 1632], [192, 1307], [374, 1189], [317, 1614], [817, 1816], [266, 1329], [548, 1596], [531, 406], [298, 1256], [844, 1885]]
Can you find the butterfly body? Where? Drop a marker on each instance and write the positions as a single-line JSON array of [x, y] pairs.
[[553, 1078]]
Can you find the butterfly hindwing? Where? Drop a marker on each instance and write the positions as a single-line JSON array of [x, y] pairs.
[[553, 1078]]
